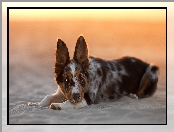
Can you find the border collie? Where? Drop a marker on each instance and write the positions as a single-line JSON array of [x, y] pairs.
[[86, 80]]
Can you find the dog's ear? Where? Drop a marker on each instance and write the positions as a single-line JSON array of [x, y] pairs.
[[61, 59], [81, 53]]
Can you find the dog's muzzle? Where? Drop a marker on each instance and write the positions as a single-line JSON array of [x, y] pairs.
[[76, 98]]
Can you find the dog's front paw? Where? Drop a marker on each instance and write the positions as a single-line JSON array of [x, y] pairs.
[[33, 104], [55, 106]]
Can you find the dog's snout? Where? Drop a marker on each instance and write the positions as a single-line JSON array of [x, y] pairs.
[[72, 83], [76, 96]]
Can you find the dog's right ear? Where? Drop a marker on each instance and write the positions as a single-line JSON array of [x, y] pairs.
[[61, 59]]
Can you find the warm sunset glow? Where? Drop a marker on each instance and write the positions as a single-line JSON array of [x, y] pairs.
[[110, 33], [111, 14]]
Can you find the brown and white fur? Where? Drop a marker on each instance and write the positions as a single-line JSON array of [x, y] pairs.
[[86, 80]]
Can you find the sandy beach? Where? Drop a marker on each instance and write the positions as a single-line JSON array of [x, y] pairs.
[[31, 75]]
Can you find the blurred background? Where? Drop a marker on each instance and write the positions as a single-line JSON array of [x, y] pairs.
[[109, 33]]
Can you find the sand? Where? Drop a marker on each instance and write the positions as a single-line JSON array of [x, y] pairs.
[[31, 78]]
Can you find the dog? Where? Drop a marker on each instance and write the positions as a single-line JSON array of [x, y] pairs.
[[86, 80]]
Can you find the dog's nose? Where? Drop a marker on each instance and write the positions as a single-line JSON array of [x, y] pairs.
[[76, 96]]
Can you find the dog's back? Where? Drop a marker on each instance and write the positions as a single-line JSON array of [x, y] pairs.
[[109, 80]]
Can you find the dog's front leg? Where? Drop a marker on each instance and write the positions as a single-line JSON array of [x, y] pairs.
[[53, 98], [68, 105], [46, 101]]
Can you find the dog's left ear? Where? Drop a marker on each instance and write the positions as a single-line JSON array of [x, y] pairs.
[[81, 53]]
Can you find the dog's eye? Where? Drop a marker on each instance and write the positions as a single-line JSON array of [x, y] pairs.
[[66, 82], [82, 80]]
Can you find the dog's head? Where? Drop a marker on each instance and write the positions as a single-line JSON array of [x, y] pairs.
[[71, 75]]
